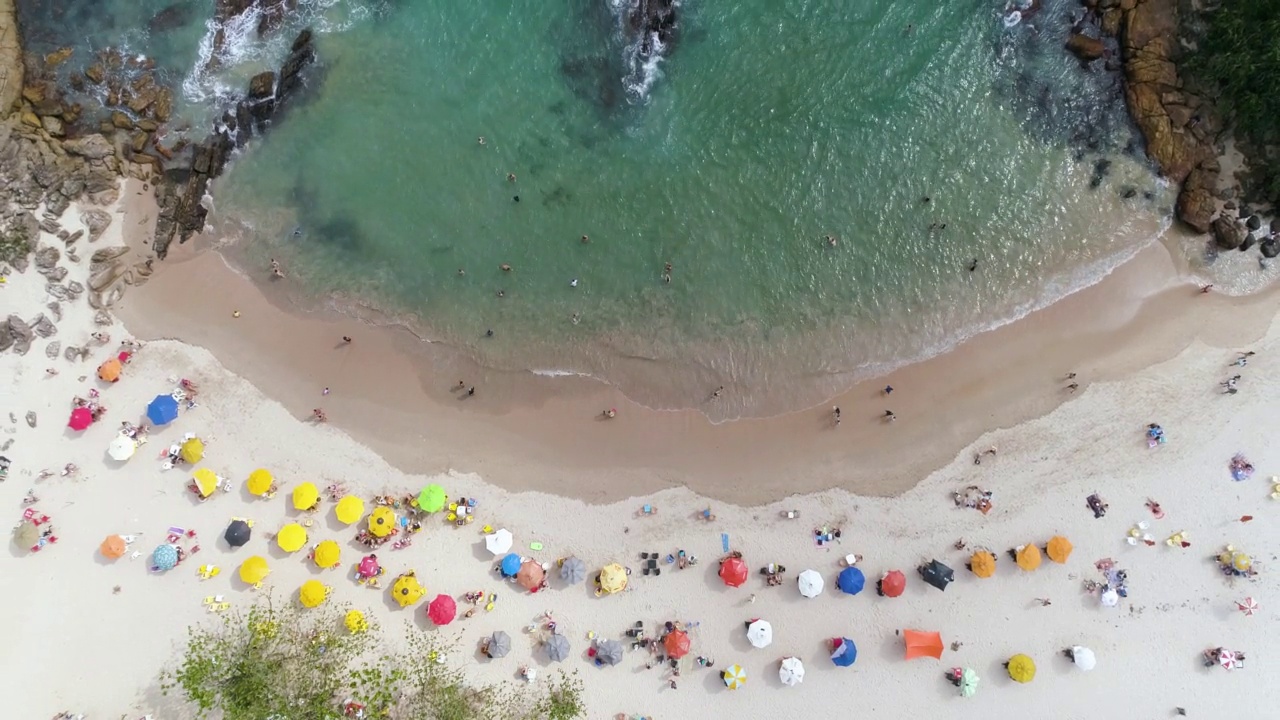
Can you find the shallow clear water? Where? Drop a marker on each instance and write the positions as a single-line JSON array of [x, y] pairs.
[[767, 127]]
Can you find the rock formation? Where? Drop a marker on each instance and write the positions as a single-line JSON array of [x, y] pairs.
[[11, 69]]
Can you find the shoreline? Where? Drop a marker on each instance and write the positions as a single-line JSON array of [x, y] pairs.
[[522, 431]]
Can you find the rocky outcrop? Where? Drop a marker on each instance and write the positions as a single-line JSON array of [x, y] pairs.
[[653, 20], [11, 65], [1086, 48], [1228, 233]]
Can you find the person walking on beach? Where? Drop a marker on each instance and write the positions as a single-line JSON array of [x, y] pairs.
[[319, 415], [346, 339], [1073, 387], [835, 413], [888, 389], [471, 391], [717, 392], [1204, 289]]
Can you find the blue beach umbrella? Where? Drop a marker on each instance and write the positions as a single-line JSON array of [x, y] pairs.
[[165, 557], [511, 565], [163, 410], [851, 581], [843, 652]]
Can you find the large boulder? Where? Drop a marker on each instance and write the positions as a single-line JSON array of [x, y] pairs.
[[96, 221], [1086, 48], [1228, 233]]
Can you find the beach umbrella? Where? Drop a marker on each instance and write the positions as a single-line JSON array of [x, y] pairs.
[[510, 565], [937, 574], [843, 652], [1028, 557], [1109, 598], [192, 451], [1227, 659], [1058, 549], [369, 567], [1083, 657], [922, 644], [110, 370], [557, 647], [733, 572], [609, 652], [312, 593], [810, 583], [349, 510], [893, 583], [122, 448], [1241, 562], [530, 575], [113, 547], [968, 682], [305, 496], [791, 672], [613, 578], [260, 482], [442, 610], [1021, 668], [327, 554], [355, 622], [81, 418], [431, 499], [573, 571], [499, 645], [407, 590], [760, 633], [734, 677], [254, 570], [381, 521], [162, 410], [1248, 606], [206, 481], [291, 537], [164, 557], [851, 581], [237, 533], [983, 564], [26, 535], [498, 542], [676, 643]]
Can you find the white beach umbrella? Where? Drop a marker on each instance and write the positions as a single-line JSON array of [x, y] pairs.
[[792, 672], [760, 633], [1083, 658], [1110, 598], [499, 543], [122, 448], [810, 583]]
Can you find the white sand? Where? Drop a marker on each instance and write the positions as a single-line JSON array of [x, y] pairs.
[[73, 644]]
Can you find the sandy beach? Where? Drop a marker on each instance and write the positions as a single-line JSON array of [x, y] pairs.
[[1146, 347]]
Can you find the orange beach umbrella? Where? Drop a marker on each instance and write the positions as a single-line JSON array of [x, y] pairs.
[[983, 564], [922, 644], [113, 547], [1028, 557], [1058, 549], [110, 370]]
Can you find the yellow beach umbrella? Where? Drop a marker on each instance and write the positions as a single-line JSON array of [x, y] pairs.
[[206, 481], [613, 578], [1059, 549], [407, 590], [1022, 668], [291, 537], [734, 677], [1029, 557], [327, 554], [312, 593], [349, 509], [305, 495], [260, 482], [1242, 562], [192, 450], [382, 521], [355, 622], [254, 570], [983, 564]]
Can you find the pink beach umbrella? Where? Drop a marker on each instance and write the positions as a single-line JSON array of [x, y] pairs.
[[1227, 659], [369, 567], [442, 610], [81, 418], [1248, 606]]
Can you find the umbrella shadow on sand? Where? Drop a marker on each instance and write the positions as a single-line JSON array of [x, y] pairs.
[[480, 551]]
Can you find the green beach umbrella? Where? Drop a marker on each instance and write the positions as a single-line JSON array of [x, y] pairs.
[[431, 499], [968, 682]]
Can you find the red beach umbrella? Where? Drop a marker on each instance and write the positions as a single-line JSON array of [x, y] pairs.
[[442, 610], [676, 643], [733, 572], [893, 583], [81, 418], [368, 567]]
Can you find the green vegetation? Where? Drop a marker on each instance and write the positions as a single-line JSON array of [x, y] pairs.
[[292, 664], [1240, 57], [15, 244]]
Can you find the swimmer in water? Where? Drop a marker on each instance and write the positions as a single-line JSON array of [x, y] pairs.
[[480, 140], [973, 265], [666, 273], [461, 272], [585, 239], [297, 232], [505, 267], [575, 318], [573, 283], [831, 240], [511, 177]]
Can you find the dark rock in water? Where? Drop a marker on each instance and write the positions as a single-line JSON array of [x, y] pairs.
[[1129, 193], [1249, 241], [1086, 48], [172, 17], [262, 85], [1228, 233], [653, 20], [301, 54], [273, 16], [1253, 222], [1270, 247]]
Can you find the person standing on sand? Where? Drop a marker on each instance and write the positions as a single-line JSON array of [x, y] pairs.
[[835, 413], [346, 339], [471, 391], [1073, 387], [888, 415], [888, 389], [1204, 289]]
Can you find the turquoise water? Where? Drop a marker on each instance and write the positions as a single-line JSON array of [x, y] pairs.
[[766, 127]]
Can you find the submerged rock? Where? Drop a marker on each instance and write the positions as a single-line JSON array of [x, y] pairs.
[[1228, 233]]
